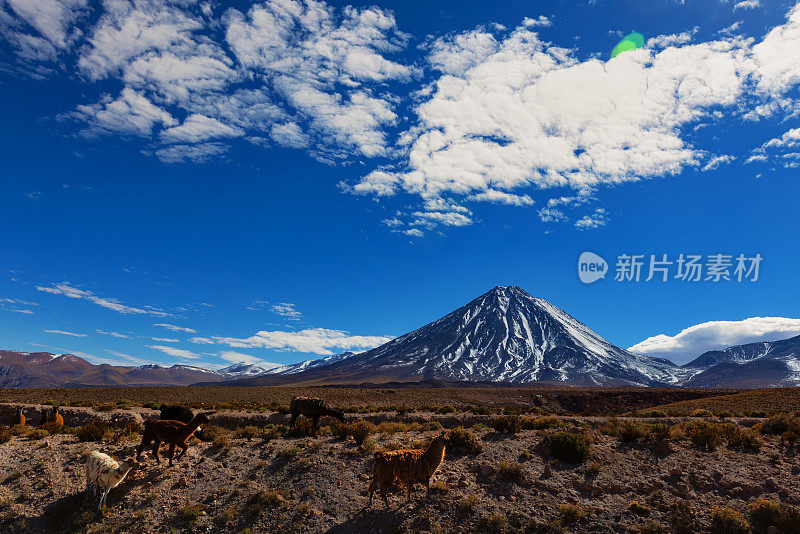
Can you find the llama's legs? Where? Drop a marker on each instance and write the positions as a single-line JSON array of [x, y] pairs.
[[156, 444], [184, 447], [171, 452], [294, 418]]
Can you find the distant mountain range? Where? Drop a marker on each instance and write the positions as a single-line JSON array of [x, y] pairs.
[[45, 370], [505, 335]]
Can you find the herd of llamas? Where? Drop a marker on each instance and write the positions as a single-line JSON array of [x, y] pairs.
[[176, 425]]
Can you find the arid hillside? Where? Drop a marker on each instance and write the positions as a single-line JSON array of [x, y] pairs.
[[504, 472]]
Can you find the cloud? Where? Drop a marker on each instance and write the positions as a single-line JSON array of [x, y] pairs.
[[127, 358], [512, 113], [238, 357], [199, 153], [15, 310], [717, 335], [165, 340], [131, 113], [73, 292], [456, 54], [532, 115], [174, 351], [747, 4], [716, 161], [73, 334], [596, 220], [303, 73], [198, 127], [53, 25], [541, 20], [175, 328], [287, 310], [113, 334], [320, 341]]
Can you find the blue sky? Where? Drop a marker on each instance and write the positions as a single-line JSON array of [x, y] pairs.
[[283, 180]]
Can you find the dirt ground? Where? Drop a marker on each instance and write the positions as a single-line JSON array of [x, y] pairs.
[[319, 484]]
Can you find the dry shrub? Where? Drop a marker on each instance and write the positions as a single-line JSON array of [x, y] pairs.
[[660, 431], [570, 513], [701, 412], [273, 432], [105, 407], [682, 518], [218, 436], [728, 521], [704, 435], [392, 427], [541, 423], [653, 527], [765, 513], [511, 472], [639, 509], [92, 431], [510, 424], [463, 441], [5, 434], [247, 432], [37, 434], [631, 431], [570, 448], [741, 438], [360, 430], [467, 504], [302, 428]]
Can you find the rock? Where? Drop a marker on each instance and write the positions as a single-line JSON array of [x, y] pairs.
[[487, 470], [772, 530], [548, 471]]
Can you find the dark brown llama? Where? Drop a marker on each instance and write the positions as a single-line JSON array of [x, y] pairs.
[[175, 433], [313, 408]]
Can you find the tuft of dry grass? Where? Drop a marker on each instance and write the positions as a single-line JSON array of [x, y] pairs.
[[728, 521]]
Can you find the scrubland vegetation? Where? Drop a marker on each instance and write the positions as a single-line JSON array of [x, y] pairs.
[[505, 469]]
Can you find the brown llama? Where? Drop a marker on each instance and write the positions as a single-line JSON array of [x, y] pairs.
[[313, 408], [408, 466], [52, 421], [18, 419], [173, 432]]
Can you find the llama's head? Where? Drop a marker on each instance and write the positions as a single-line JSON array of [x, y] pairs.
[[202, 417], [338, 414], [131, 463], [19, 410], [442, 438], [55, 410]]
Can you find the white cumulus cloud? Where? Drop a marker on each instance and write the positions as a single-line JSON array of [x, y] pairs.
[[716, 335], [320, 341]]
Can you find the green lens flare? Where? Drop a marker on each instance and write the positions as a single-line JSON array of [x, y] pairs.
[[633, 41]]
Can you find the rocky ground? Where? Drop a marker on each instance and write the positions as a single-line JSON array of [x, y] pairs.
[[506, 482]]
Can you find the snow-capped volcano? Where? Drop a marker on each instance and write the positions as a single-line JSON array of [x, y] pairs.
[[506, 335]]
